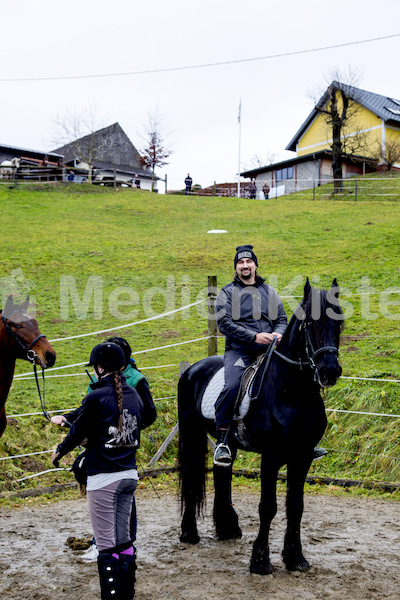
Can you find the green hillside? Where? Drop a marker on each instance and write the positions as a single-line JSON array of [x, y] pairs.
[[154, 253]]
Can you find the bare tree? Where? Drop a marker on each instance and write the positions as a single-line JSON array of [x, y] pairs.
[[388, 152], [257, 162], [154, 152], [340, 108], [79, 130]]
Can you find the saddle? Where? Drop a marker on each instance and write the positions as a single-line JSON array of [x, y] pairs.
[[245, 395]]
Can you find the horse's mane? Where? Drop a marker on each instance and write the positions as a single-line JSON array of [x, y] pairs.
[[325, 314]]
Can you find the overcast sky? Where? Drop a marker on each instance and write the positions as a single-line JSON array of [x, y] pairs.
[[48, 39]]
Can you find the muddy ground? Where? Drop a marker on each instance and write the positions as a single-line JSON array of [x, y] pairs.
[[352, 543]]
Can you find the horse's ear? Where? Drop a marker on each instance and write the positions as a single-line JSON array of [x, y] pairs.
[[25, 304], [307, 289], [9, 307], [335, 288]]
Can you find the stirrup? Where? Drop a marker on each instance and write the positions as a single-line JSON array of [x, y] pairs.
[[222, 456], [319, 453]]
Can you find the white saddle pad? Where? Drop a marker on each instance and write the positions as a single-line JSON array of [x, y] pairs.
[[211, 393]]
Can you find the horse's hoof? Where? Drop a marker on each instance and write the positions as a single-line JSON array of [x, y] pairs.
[[301, 565], [225, 535], [189, 538], [260, 568]]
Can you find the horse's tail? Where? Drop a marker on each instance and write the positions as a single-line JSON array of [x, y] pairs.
[[192, 446]]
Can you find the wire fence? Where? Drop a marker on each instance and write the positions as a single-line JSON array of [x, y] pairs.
[[352, 186], [334, 411]]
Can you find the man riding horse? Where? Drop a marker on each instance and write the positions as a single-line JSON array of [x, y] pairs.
[[250, 315]]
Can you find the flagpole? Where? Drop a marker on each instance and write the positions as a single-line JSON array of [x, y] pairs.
[[240, 135]]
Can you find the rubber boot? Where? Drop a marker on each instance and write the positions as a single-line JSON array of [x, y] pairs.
[[110, 576], [128, 578]]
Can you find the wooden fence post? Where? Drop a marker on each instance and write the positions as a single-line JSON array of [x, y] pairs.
[[212, 323]]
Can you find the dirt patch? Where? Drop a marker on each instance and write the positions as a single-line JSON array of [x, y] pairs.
[[351, 349], [32, 465], [170, 334], [346, 339], [353, 545]]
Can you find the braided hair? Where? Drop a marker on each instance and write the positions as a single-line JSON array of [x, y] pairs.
[[110, 357], [120, 396]]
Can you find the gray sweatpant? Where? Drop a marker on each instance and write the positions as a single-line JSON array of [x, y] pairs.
[[110, 511]]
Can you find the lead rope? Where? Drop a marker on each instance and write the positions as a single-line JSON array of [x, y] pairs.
[[41, 396]]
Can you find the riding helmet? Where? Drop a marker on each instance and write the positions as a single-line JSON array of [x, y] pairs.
[[122, 343], [109, 356]]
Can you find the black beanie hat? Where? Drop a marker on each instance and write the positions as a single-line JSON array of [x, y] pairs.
[[245, 252]]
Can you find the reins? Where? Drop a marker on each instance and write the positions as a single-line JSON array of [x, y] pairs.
[[41, 396], [310, 352], [267, 359], [31, 356]]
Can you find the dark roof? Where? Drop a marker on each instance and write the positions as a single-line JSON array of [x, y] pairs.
[[299, 159], [387, 109], [108, 166], [28, 152], [112, 147]]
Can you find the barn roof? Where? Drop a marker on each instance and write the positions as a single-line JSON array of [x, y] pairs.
[[17, 150], [112, 146], [387, 109]]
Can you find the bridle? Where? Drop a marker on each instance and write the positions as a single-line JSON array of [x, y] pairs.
[[31, 356], [311, 353]]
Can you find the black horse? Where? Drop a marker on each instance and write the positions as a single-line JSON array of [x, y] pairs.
[[285, 421]]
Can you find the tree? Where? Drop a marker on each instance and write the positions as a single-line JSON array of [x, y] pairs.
[[154, 152], [340, 108], [80, 131], [388, 152], [257, 162]]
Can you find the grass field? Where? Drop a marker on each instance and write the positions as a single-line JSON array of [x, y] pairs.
[[135, 254]]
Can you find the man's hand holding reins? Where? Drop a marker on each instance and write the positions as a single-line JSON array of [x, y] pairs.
[[267, 338]]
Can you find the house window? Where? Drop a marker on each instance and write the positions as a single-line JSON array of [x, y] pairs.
[[286, 173]]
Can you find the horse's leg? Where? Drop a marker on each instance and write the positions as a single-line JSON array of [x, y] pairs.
[[189, 533], [3, 420], [260, 563], [225, 518], [292, 551], [192, 460]]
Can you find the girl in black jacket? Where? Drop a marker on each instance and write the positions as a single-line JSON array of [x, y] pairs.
[[110, 419]]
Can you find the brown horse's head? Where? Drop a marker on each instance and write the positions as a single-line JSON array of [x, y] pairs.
[[23, 335]]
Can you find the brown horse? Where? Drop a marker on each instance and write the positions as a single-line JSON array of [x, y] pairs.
[[19, 338]]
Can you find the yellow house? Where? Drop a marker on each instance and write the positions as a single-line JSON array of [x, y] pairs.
[[372, 128], [370, 139]]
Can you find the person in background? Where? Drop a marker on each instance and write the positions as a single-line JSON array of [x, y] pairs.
[[111, 420], [265, 190], [188, 185], [252, 190]]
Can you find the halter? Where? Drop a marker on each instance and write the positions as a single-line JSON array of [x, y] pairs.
[[31, 356], [311, 353]]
